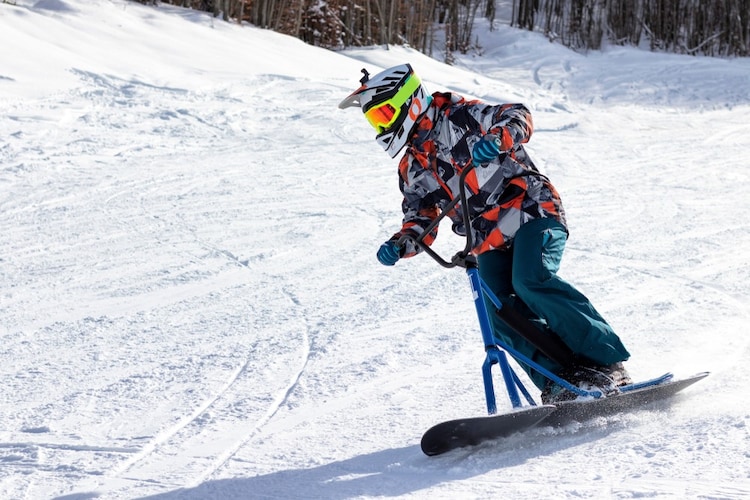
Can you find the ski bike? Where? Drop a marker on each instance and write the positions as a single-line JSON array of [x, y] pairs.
[[593, 402]]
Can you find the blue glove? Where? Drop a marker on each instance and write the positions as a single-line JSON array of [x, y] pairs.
[[389, 253], [486, 150]]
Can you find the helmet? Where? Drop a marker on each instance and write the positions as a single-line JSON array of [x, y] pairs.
[[392, 101]]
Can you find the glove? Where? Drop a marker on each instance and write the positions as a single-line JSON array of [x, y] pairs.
[[389, 253], [486, 150]]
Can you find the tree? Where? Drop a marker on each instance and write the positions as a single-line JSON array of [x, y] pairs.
[[711, 27]]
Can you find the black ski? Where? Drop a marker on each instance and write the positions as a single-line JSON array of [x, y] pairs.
[[459, 433], [454, 434], [581, 410]]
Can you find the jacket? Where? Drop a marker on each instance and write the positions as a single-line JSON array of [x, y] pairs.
[[501, 195]]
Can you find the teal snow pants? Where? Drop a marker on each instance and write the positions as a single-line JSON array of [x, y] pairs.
[[525, 278]]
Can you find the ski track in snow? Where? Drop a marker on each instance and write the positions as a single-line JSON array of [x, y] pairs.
[[208, 447], [190, 302]]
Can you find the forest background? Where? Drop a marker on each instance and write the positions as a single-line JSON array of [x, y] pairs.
[[699, 27]]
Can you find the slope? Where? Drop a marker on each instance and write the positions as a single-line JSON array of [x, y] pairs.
[[191, 306]]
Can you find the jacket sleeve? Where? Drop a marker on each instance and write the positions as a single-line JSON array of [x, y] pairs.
[[512, 123], [420, 205]]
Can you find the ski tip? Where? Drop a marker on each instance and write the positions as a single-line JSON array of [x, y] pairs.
[[453, 434]]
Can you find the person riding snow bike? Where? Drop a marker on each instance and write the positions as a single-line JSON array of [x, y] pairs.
[[518, 224]]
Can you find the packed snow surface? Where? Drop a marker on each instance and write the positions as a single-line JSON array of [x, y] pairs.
[[190, 304]]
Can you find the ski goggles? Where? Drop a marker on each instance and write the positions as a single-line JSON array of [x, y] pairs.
[[384, 114]]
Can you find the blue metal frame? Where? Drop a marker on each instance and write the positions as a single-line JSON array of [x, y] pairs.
[[496, 355]]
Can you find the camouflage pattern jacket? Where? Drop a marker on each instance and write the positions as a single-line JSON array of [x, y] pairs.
[[502, 195]]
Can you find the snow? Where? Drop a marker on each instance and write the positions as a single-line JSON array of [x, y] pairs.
[[190, 303]]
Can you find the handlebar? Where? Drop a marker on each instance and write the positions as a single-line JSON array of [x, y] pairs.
[[462, 258]]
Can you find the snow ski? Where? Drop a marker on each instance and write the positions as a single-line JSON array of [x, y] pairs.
[[447, 436]]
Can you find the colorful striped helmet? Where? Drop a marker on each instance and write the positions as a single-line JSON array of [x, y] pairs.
[[392, 101]]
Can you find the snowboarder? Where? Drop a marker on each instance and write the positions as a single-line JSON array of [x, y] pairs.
[[517, 218]]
